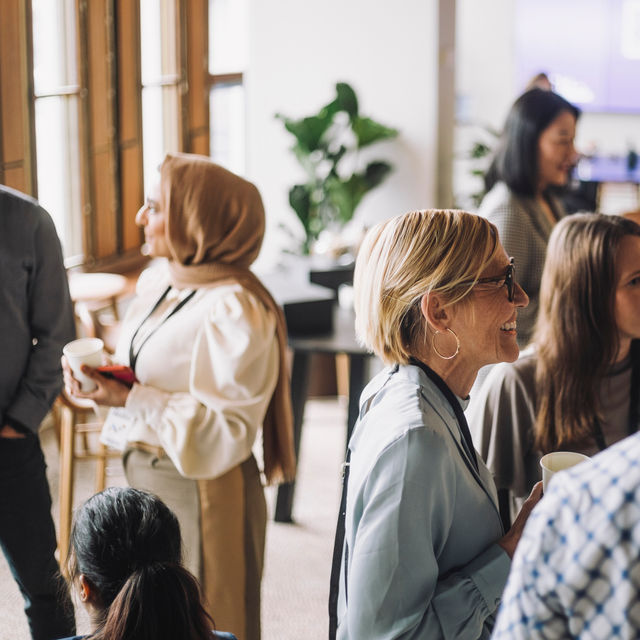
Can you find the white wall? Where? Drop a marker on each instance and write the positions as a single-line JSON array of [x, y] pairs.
[[299, 49]]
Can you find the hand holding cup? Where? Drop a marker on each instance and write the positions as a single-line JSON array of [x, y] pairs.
[[558, 461], [84, 351]]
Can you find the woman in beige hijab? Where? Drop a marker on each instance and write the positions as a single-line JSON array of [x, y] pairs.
[[207, 345]]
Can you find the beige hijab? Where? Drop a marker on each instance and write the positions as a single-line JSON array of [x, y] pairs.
[[214, 225]]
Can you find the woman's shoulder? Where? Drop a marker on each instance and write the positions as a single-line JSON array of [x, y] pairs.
[[154, 278], [521, 372], [232, 302], [399, 405], [499, 198]]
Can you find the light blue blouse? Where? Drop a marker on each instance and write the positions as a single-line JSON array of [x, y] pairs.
[[421, 524]]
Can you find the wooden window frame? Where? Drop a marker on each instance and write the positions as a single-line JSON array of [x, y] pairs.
[[110, 114]]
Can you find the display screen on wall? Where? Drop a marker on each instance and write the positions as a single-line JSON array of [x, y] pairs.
[[590, 49]]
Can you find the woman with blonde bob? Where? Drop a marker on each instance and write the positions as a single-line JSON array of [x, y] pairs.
[[424, 552], [578, 388]]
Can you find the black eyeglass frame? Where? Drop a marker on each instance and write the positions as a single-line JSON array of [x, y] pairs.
[[509, 280]]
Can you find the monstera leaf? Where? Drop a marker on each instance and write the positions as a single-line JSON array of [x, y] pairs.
[[368, 131], [347, 194]]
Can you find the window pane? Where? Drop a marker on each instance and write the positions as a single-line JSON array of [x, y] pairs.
[[227, 126], [59, 167], [54, 45], [159, 129], [160, 96], [150, 39], [158, 39], [227, 36], [151, 134]]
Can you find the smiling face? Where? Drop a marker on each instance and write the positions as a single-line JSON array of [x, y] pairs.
[[485, 322], [556, 153], [151, 217], [627, 300]]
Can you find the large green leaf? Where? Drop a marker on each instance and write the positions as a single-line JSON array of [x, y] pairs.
[[479, 150], [308, 131], [369, 131], [347, 99], [300, 201], [376, 172], [347, 194]]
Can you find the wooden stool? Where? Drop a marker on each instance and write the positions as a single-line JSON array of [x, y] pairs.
[[76, 417], [92, 295]]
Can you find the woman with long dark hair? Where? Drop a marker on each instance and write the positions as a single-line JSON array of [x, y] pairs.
[[125, 562], [534, 157], [578, 388]]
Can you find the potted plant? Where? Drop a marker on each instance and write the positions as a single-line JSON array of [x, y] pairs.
[[327, 147]]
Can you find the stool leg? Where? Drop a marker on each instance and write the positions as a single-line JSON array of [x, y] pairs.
[[67, 462], [101, 467]]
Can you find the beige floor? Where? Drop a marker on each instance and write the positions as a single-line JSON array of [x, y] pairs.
[[298, 556]]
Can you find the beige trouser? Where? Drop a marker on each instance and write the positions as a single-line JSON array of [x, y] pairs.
[[223, 524]]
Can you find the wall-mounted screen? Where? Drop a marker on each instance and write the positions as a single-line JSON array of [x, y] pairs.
[[590, 49]]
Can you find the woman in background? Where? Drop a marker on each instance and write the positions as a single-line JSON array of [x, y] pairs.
[[125, 562], [424, 554], [578, 388], [207, 344], [535, 155]]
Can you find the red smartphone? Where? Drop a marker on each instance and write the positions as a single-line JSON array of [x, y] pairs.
[[119, 372]]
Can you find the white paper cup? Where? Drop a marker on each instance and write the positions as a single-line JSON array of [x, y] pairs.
[[558, 461], [84, 351]]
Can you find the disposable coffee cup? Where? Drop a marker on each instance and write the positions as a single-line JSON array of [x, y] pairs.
[[558, 461], [84, 351]]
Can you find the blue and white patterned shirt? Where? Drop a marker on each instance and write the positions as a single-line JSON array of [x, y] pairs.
[[576, 570]]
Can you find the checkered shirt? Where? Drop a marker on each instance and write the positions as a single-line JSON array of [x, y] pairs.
[[576, 570]]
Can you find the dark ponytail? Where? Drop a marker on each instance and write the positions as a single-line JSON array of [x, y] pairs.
[[126, 543], [160, 600]]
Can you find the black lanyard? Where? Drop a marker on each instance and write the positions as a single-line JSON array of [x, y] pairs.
[[133, 357], [338, 546], [634, 400], [455, 405], [339, 543]]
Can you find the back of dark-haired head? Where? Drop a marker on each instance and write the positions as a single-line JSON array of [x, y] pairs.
[[127, 544], [576, 331], [516, 159]]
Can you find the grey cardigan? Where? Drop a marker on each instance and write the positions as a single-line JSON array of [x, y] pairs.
[[524, 232]]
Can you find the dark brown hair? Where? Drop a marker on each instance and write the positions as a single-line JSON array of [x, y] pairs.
[[516, 158], [576, 332], [127, 545]]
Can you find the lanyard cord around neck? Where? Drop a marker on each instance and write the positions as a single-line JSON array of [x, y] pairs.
[[133, 356], [634, 399], [455, 405]]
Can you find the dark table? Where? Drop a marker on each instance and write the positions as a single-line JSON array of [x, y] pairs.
[[341, 339]]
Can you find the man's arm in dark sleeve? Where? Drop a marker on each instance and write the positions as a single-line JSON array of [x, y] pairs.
[[52, 326]]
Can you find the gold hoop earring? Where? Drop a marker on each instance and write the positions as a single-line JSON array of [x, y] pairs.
[[435, 348]]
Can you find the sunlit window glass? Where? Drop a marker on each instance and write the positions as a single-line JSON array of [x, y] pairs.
[[227, 62], [56, 90], [227, 36], [228, 126], [160, 84]]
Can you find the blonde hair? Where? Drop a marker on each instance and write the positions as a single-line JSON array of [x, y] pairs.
[[401, 259]]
